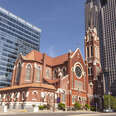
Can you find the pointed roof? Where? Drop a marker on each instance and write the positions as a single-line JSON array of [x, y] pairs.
[[51, 61], [33, 55]]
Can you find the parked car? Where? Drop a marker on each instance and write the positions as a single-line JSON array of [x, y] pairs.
[[108, 110]]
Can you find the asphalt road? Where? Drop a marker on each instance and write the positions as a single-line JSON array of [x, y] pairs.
[[62, 114]]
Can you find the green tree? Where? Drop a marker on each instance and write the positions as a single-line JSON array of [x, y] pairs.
[[77, 106], [109, 100]]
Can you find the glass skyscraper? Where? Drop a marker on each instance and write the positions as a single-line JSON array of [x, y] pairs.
[[16, 37]]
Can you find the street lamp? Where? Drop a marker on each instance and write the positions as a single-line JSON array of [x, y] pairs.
[[109, 106]]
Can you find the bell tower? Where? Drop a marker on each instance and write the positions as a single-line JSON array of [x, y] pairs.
[[92, 54]]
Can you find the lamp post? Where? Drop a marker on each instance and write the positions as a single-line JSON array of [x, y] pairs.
[[109, 101]]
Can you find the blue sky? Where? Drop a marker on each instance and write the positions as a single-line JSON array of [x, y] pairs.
[[61, 21]]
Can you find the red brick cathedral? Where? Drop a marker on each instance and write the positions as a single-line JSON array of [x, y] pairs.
[[40, 79]]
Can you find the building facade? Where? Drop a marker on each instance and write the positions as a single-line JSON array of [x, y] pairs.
[[108, 13], [16, 36], [39, 79], [92, 57], [91, 14], [105, 26]]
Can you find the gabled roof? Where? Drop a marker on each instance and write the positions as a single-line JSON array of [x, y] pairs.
[[51, 61], [60, 59], [33, 55], [73, 54]]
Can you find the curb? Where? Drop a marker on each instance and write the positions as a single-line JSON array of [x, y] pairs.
[[97, 114], [26, 112]]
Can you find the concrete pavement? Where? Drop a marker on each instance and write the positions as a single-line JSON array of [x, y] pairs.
[[24, 112], [57, 113]]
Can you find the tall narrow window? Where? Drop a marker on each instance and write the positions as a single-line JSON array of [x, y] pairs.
[[90, 37], [73, 99], [38, 72], [47, 73], [72, 83], [76, 84], [88, 52], [28, 72], [63, 97], [90, 71], [55, 74], [91, 50], [64, 71], [18, 73]]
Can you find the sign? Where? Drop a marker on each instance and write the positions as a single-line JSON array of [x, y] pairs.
[[58, 100]]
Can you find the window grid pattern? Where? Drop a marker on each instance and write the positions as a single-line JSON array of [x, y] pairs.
[[15, 37]]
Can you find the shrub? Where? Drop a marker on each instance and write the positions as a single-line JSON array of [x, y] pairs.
[[33, 105], [47, 106], [92, 108], [77, 106], [61, 106], [87, 107], [41, 107]]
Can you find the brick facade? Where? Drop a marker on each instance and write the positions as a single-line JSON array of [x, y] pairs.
[[39, 79], [92, 57]]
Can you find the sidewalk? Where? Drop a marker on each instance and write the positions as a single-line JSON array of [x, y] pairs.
[[14, 112]]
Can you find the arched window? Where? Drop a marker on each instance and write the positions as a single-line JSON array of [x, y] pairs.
[[91, 50], [90, 71], [55, 73], [88, 52], [18, 73], [23, 95], [64, 71], [28, 72], [47, 73], [38, 72]]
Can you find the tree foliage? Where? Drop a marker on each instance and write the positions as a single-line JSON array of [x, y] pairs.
[[87, 106], [61, 106], [77, 106], [109, 100]]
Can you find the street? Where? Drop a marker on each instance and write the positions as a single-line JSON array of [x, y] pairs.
[[61, 114]]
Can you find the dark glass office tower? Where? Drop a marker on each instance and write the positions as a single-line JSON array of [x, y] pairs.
[[16, 36], [108, 14]]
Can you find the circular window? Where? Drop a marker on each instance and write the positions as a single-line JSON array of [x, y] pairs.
[[78, 71]]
